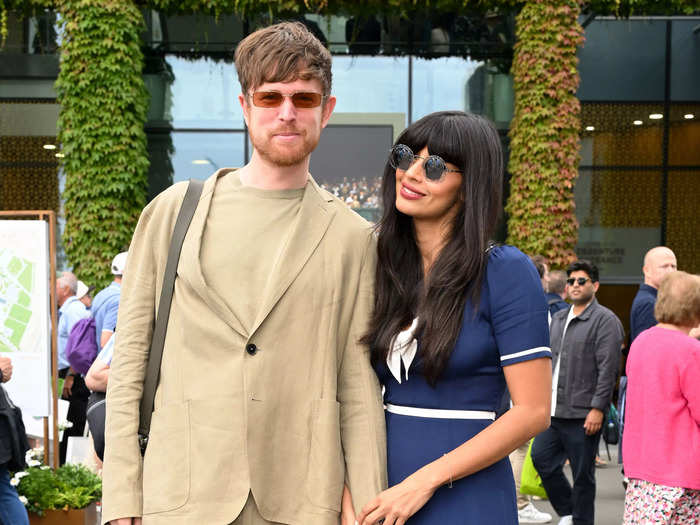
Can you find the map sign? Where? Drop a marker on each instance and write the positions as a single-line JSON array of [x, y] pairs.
[[25, 313]]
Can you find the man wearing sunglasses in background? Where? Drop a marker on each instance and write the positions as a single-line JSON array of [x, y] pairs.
[[267, 404], [585, 341]]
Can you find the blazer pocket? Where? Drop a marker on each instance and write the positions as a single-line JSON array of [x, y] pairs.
[[166, 465], [326, 475]]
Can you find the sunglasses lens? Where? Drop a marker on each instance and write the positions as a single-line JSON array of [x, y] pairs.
[[306, 100], [434, 167], [274, 99], [401, 157], [267, 99]]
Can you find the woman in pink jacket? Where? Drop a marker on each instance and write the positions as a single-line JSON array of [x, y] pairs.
[[661, 449]]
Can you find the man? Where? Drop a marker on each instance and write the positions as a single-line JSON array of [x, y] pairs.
[[267, 403], [556, 291], [84, 294], [70, 311], [105, 305], [657, 263], [585, 341]]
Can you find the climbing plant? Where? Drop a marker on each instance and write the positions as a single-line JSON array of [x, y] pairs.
[[544, 133], [101, 129]]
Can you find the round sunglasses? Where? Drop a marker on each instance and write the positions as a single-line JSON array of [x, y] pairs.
[[401, 157]]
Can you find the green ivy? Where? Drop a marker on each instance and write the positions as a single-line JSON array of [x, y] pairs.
[[544, 133], [104, 105]]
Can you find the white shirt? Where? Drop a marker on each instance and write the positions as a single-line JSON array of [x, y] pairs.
[[555, 379], [402, 349]]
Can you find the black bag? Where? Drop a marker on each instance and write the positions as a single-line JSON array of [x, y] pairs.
[[96, 411], [611, 426], [12, 433]]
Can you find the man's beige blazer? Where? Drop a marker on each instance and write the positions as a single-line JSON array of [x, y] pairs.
[[290, 418]]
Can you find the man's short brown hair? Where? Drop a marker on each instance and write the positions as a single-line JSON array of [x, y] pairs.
[[282, 52], [678, 300]]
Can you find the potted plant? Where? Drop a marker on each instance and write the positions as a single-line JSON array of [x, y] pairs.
[[64, 496]]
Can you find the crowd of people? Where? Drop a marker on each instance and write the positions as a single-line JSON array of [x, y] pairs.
[[358, 193], [317, 371]]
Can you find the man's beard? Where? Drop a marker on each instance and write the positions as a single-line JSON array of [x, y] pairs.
[[284, 156]]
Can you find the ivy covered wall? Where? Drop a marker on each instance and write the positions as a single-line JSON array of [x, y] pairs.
[[545, 130]]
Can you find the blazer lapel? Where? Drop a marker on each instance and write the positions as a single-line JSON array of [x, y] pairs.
[[314, 218], [190, 267]]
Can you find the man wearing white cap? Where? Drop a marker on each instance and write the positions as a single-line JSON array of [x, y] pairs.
[[83, 294], [105, 305]]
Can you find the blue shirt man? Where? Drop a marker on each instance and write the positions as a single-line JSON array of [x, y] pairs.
[[105, 305], [657, 263]]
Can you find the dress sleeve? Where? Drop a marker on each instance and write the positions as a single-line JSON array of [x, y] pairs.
[[517, 306]]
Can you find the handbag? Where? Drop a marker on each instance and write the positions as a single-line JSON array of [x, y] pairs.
[[611, 426], [14, 437], [530, 480], [96, 413]]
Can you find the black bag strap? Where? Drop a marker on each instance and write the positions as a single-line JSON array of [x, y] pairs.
[[184, 217]]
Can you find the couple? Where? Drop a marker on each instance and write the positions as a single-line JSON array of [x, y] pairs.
[[288, 314]]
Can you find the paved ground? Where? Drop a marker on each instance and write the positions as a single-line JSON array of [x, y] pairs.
[[610, 496]]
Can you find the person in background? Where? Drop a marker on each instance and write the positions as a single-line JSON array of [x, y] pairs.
[[12, 511], [555, 288], [658, 262], [662, 431], [105, 306], [84, 294], [70, 311], [586, 342]]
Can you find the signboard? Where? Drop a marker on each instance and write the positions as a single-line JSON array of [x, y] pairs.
[[25, 312]]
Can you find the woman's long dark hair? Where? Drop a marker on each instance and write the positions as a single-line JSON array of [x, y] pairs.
[[402, 291]]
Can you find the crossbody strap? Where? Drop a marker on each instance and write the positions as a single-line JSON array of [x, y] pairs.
[[184, 217]]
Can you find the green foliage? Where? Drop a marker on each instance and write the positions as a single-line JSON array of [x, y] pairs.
[[104, 105], [545, 130], [69, 486]]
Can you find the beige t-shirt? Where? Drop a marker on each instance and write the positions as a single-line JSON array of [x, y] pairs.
[[246, 231]]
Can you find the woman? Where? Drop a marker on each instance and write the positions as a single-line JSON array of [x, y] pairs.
[[661, 449], [455, 320]]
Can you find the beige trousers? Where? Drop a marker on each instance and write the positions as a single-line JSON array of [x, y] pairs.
[[250, 515], [517, 458]]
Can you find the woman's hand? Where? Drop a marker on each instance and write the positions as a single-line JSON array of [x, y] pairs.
[[347, 512], [395, 505]]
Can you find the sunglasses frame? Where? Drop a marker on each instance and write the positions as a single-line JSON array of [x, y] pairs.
[[445, 169], [577, 280], [288, 95]]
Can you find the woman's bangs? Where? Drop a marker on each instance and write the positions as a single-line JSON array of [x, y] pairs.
[[441, 136]]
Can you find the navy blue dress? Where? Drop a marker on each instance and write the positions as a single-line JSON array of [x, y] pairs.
[[509, 326]]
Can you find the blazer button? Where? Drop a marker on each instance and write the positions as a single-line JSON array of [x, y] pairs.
[[251, 349]]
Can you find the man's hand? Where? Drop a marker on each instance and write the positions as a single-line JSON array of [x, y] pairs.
[[594, 420], [67, 386], [6, 367], [126, 521]]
